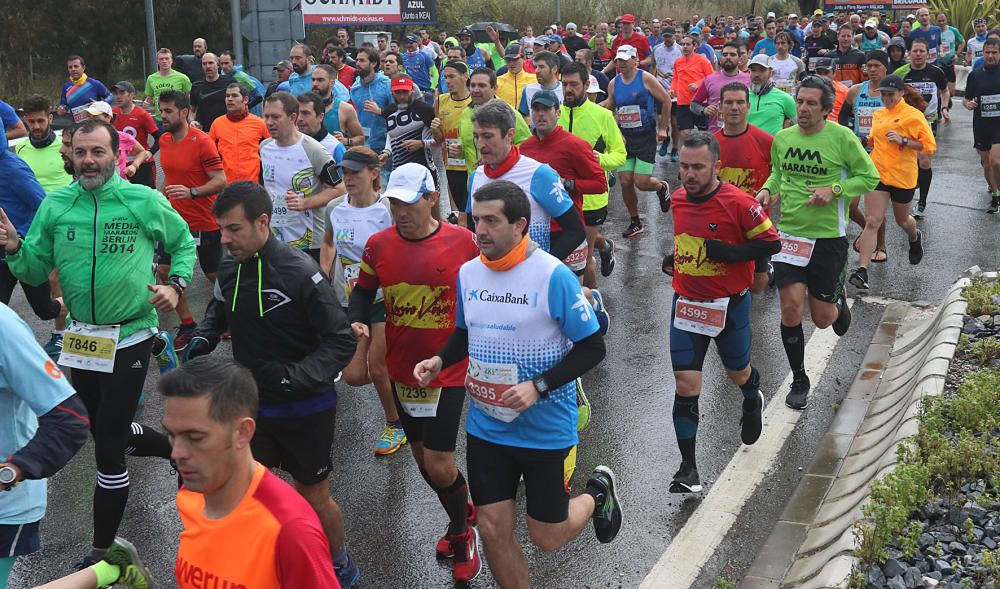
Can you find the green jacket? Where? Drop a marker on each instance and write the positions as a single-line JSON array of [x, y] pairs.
[[102, 242], [597, 126], [469, 151]]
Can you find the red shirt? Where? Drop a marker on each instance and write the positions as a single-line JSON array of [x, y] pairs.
[[138, 123], [188, 163], [346, 76], [418, 279], [728, 215], [640, 42], [746, 158], [272, 539], [572, 158]]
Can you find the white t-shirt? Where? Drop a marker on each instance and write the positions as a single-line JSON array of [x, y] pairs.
[[785, 71], [296, 167], [350, 227], [665, 57]]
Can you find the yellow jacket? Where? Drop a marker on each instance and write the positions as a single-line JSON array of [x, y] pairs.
[[510, 87], [896, 165]]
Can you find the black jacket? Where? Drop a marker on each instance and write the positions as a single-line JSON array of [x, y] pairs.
[[286, 324]]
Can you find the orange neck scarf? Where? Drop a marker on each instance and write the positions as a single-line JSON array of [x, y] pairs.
[[512, 258]]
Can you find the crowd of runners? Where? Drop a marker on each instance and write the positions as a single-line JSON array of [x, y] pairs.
[[365, 264]]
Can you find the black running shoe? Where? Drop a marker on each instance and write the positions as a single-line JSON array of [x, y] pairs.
[[634, 228], [994, 205], [751, 423], [663, 193], [917, 248], [686, 480], [859, 278], [608, 259], [918, 213], [608, 512], [843, 321], [796, 398]]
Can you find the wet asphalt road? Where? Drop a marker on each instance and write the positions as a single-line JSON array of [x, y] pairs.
[[392, 518]]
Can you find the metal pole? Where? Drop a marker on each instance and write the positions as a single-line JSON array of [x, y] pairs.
[[234, 13], [150, 34], [558, 12]]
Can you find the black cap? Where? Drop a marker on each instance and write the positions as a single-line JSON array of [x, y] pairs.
[[358, 160], [892, 83], [545, 97], [513, 51], [896, 42], [877, 55], [823, 63], [465, 32], [668, 30], [411, 39]]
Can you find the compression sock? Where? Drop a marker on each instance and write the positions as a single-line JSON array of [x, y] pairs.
[[751, 388], [106, 573], [110, 497], [454, 499], [924, 182], [686, 426], [795, 346], [188, 321], [398, 424], [147, 442], [6, 563]]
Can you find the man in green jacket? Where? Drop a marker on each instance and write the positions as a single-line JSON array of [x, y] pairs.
[[100, 232]]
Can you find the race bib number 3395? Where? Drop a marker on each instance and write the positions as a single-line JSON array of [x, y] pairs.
[[486, 383]]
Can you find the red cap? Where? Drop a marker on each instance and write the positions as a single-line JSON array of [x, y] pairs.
[[628, 18], [401, 83]]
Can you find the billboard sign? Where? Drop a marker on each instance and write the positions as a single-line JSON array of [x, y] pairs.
[[888, 6], [367, 12]]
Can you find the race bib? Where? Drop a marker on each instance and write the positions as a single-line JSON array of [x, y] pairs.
[[367, 132], [418, 401], [197, 238], [90, 347], [865, 114], [945, 48], [796, 251], [351, 272], [485, 382], [702, 317], [80, 114], [989, 106], [280, 215], [577, 259], [629, 117], [451, 160]]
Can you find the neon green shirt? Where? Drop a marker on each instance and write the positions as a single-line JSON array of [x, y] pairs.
[[157, 84], [46, 163]]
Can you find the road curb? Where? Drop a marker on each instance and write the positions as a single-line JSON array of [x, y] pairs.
[[812, 543]]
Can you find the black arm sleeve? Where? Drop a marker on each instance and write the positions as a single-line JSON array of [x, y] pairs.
[[572, 234], [741, 252], [359, 306], [586, 354], [846, 116], [336, 341], [455, 349], [61, 433]]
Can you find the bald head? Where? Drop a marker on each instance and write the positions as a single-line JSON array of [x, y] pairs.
[[210, 65], [199, 47]]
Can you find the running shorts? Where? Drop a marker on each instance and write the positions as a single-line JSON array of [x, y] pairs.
[[458, 187], [18, 539], [300, 446], [949, 72], [436, 433], [897, 195], [596, 217], [685, 118], [985, 134], [209, 245], [495, 471], [640, 151], [824, 274], [577, 259], [688, 350]]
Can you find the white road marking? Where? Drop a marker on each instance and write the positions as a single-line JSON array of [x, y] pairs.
[[681, 563]]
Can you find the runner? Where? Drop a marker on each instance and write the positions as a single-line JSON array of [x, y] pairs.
[[982, 96], [816, 167], [370, 93], [447, 116], [353, 218], [825, 67], [109, 293], [786, 68], [896, 125], [860, 103], [817, 44], [208, 96], [140, 125], [300, 176], [193, 175], [165, 78], [706, 99], [933, 85], [720, 231], [522, 421], [974, 48], [511, 85], [418, 260], [482, 89], [689, 71], [929, 33], [952, 44], [41, 150], [897, 54], [547, 67], [630, 96], [338, 114], [295, 339], [237, 137], [128, 146], [596, 126], [419, 66], [871, 38], [408, 121], [310, 122], [665, 55], [848, 62], [46, 426], [80, 90], [771, 110]]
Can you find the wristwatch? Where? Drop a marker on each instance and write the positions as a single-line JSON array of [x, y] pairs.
[[837, 189], [194, 192], [179, 284], [906, 141], [8, 476], [541, 386]]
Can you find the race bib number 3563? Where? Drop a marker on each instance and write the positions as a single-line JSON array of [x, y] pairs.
[[486, 383]]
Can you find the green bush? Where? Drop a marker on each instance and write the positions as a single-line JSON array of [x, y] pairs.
[[961, 13], [980, 293]]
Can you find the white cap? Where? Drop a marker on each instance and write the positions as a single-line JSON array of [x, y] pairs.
[[409, 183], [793, 15], [760, 59], [626, 52], [593, 87], [99, 107], [871, 23], [571, 26], [770, 15]]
